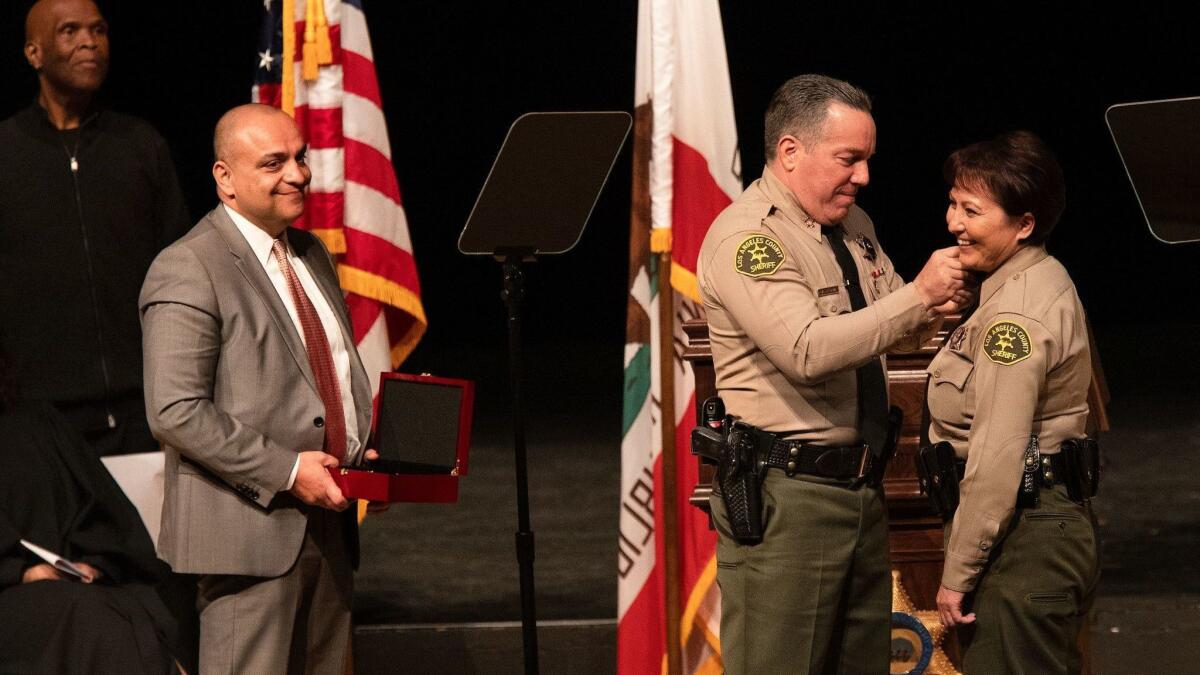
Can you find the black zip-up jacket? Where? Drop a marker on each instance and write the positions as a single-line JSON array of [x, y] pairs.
[[82, 215]]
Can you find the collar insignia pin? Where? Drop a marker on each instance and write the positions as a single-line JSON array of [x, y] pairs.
[[867, 245]]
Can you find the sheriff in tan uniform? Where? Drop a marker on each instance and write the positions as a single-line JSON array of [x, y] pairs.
[[1019, 366], [766, 276], [801, 302]]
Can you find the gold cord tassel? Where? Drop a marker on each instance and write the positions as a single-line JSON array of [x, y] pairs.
[[309, 55], [324, 47]]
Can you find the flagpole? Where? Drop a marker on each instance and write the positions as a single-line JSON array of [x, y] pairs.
[[666, 346]]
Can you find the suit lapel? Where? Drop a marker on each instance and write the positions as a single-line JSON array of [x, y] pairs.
[[256, 277]]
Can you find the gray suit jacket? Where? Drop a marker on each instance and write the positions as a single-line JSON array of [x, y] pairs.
[[230, 394]]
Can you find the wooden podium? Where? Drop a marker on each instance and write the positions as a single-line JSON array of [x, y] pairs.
[[914, 531]]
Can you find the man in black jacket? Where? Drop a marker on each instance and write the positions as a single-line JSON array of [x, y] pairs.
[[87, 199]]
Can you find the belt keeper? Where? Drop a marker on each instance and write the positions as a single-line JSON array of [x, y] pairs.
[[791, 467]]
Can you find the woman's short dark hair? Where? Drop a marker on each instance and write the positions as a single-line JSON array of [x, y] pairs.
[[1021, 174]]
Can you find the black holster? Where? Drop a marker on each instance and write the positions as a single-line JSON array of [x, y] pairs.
[[743, 454], [880, 461], [1081, 468], [938, 476], [1076, 466], [739, 482], [738, 479]]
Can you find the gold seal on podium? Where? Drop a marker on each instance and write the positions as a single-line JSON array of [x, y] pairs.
[[916, 637]]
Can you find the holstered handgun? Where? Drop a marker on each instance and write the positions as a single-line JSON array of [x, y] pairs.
[[708, 443], [738, 479], [937, 476], [708, 437], [1081, 468], [739, 482]]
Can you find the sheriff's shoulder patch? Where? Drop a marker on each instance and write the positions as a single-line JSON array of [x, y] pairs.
[[758, 256], [1006, 343]]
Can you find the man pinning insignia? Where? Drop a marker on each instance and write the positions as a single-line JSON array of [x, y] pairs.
[[796, 343]]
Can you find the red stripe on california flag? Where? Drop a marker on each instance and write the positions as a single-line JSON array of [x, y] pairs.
[[322, 210], [640, 642], [335, 42], [367, 166], [641, 632], [322, 127], [363, 313], [382, 258], [358, 77], [694, 208]]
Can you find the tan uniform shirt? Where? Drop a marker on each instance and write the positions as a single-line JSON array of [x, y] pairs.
[[1019, 366], [784, 340]]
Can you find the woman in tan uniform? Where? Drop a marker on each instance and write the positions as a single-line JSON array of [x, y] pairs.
[[1009, 387]]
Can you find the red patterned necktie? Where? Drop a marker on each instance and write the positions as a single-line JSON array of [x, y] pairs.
[[319, 356]]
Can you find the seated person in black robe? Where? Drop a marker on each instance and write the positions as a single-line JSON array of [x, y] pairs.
[[55, 493]]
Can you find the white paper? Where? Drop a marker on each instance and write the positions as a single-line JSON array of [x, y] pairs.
[[140, 475], [60, 563]]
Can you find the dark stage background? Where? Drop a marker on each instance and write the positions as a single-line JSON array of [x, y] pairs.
[[454, 75]]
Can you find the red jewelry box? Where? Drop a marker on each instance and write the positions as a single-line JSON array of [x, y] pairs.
[[422, 432]]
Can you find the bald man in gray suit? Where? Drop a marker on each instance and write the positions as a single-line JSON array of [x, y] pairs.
[[255, 389]]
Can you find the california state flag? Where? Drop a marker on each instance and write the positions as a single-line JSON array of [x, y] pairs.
[[686, 170]]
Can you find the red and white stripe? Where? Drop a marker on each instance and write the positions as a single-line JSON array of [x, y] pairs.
[[695, 172], [354, 197]]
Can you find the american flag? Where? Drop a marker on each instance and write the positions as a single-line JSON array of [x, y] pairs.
[[354, 202]]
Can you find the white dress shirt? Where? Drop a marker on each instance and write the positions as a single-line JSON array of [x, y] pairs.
[[261, 243]]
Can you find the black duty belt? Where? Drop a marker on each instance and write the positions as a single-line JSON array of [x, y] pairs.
[[1054, 469], [851, 462]]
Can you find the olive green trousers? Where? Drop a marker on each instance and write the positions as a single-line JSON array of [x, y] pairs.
[[1036, 592], [815, 596]]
